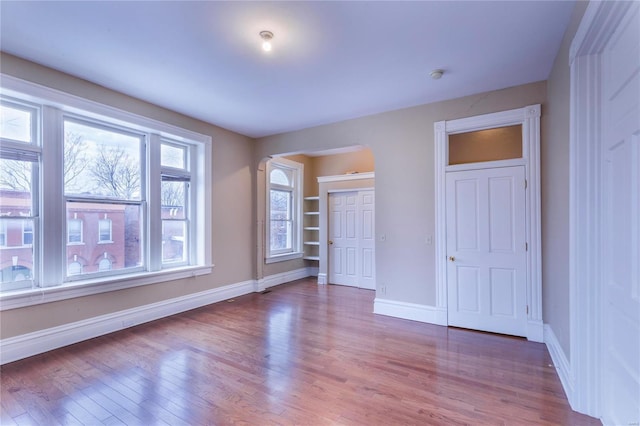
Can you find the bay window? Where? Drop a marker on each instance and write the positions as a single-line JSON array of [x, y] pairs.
[[126, 197]]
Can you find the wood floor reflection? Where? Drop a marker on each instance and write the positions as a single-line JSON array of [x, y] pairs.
[[301, 354]]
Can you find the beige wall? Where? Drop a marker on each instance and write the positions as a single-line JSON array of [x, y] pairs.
[[233, 211], [402, 144], [554, 152]]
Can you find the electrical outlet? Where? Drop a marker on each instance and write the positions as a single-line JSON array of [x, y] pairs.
[[428, 240], [383, 289], [383, 237]]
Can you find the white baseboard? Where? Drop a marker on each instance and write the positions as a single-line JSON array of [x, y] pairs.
[[410, 311], [535, 331], [560, 362], [284, 277], [26, 345], [18, 347], [322, 279]]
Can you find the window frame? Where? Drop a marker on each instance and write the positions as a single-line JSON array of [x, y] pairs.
[[297, 191], [30, 152], [50, 230], [169, 174]]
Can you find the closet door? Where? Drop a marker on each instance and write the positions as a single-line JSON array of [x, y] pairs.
[[352, 239]]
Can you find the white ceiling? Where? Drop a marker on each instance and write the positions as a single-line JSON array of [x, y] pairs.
[[330, 61]]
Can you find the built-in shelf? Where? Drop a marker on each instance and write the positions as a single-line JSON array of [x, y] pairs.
[[311, 228]]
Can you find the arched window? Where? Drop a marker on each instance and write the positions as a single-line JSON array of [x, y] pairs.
[[104, 265], [74, 268], [284, 195]]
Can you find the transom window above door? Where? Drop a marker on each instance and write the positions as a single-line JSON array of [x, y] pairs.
[[499, 143]]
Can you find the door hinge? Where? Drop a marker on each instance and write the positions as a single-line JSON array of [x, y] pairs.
[[527, 309], [525, 184], [526, 246]]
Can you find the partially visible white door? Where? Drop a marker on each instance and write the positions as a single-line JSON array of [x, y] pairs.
[[486, 273], [367, 240], [621, 245], [352, 239]]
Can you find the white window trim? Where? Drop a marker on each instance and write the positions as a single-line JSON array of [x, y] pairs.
[[298, 191], [56, 103]]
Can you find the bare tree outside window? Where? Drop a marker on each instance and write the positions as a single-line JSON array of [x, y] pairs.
[[115, 172]]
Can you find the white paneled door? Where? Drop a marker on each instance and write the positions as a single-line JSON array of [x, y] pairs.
[[352, 239], [621, 245], [486, 272]]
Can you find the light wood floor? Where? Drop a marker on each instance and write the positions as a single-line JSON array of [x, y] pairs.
[[301, 354]]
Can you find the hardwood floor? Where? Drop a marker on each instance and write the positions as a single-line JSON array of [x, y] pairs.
[[299, 354]]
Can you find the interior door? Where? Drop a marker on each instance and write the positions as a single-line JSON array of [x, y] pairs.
[[621, 233], [352, 239], [343, 241], [486, 272]]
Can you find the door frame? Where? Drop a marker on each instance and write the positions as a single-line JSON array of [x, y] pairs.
[[582, 381], [529, 118], [336, 183]]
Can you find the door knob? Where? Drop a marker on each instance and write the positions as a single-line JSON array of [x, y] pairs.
[[330, 242], [452, 259]]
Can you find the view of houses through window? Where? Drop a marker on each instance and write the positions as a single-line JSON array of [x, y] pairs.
[[104, 187]]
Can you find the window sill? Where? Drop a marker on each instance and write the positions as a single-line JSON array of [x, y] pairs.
[[22, 298], [283, 257]]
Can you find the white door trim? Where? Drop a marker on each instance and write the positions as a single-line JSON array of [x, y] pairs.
[[585, 214], [529, 118]]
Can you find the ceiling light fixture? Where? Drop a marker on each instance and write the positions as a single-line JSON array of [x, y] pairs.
[[436, 74], [266, 37]]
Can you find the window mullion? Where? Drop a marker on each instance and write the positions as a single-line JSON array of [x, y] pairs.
[[53, 223]]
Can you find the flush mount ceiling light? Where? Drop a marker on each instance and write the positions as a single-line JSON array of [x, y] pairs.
[[266, 37], [436, 74]]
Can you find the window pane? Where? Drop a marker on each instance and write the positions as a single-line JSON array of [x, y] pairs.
[[280, 235], [172, 156], [15, 187], [174, 199], [84, 221], [174, 239], [16, 124], [501, 143], [27, 232], [101, 162], [281, 177], [16, 259], [74, 231], [104, 230], [280, 204]]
